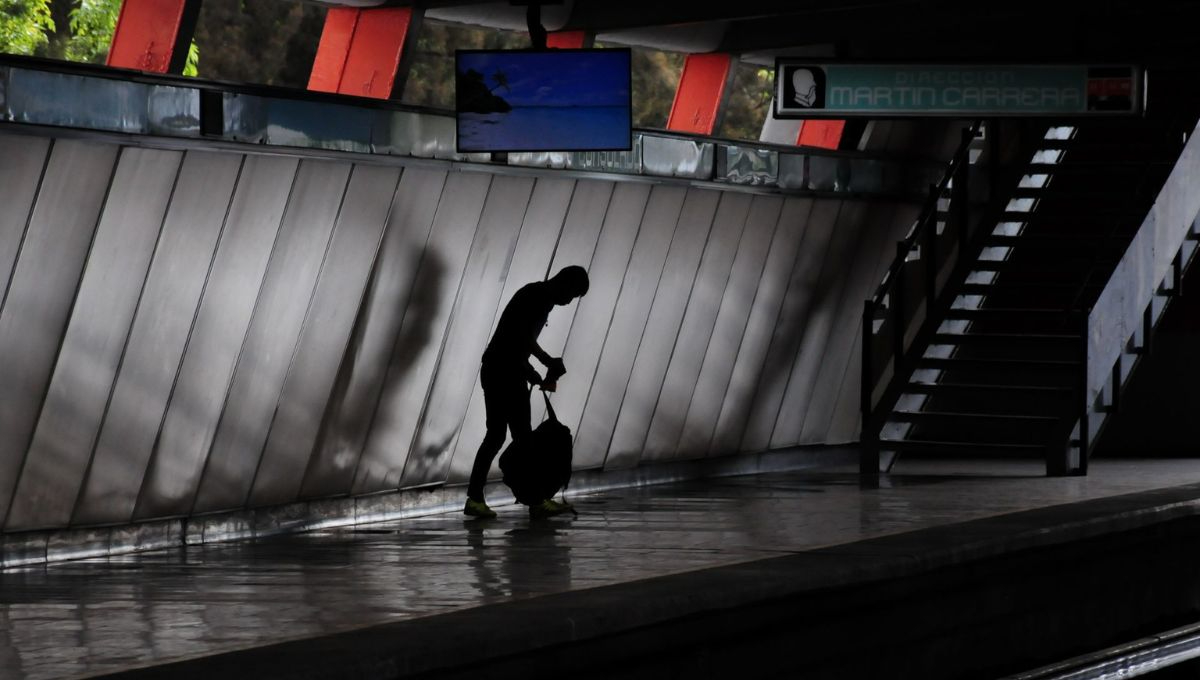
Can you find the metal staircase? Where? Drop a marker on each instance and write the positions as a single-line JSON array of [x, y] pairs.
[[994, 331]]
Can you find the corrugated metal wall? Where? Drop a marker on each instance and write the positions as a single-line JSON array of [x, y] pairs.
[[192, 331]]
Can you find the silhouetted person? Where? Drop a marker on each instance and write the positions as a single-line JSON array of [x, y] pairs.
[[506, 372]]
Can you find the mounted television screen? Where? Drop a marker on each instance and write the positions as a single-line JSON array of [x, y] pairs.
[[545, 100]]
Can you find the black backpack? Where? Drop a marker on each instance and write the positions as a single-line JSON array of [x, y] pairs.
[[536, 467]]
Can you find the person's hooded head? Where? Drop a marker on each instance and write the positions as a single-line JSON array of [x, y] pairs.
[[569, 283]]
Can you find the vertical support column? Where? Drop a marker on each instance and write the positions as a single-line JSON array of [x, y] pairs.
[[698, 98], [154, 35], [361, 52]]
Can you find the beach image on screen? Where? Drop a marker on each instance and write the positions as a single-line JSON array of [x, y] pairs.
[[543, 101]]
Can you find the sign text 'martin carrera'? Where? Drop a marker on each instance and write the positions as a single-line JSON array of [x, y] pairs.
[[808, 90]]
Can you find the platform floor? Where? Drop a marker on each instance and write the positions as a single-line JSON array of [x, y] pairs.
[[101, 615]]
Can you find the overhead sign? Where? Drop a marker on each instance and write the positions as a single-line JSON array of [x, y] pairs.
[[806, 89]]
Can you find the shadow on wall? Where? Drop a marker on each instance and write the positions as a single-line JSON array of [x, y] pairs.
[[350, 413]]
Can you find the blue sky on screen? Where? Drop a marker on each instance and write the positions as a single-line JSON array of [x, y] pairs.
[[596, 78]]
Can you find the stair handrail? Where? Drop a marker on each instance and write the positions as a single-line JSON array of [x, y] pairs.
[[923, 236], [927, 218], [1120, 311]]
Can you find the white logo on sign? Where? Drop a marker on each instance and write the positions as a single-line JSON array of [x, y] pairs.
[[806, 87]]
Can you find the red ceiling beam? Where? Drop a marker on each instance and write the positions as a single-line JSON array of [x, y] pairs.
[[823, 134], [700, 92], [153, 35], [361, 51], [565, 40]]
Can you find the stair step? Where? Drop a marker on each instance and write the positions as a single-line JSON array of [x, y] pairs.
[[1050, 192], [1007, 286], [1051, 241], [1007, 313], [917, 445], [1098, 167], [948, 416], [968, 388], [1000, 338], [956, 363], [1111, 147], [1025, 264], [1075, 213]]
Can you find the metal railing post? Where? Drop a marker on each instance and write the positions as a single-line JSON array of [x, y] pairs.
[[1085, 434], [931, 259], [898, 325], [868, 462]]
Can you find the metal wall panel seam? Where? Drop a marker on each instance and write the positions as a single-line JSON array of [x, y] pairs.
[[744, 241], [691, 287], [753, 301], [81, 384], [558, 237], [125, 346], [295, 345], [539, 410], [686, 303], [454, 313], [843, 317], [495, 318], [611, 316], [139, 504], [642, 332], [448, 323], [593, 329], [350, 337], [781, 314], [328, 325], [850, 387], [669, 416], [62, 337], [744, 415], [803, 317], [291, 358], [805, 341], [28, 218], [384, 293], [395, 343], [187, 340]]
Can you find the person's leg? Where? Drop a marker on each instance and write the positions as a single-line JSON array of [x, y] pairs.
[[506, 403]]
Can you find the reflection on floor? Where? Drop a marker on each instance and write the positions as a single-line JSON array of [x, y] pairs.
[[105, 614]]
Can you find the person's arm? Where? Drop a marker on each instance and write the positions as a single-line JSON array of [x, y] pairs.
[[531, 374], [555, 368]]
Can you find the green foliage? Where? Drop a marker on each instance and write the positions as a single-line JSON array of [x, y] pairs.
[[747, 102], [655, 78], [24, 25], [92, 26], [255, 41], [431, 76]]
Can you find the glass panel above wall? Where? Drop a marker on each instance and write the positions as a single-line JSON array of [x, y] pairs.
[[747, 101], [267, 43], [655, 77], [104, 101], [430, 81]]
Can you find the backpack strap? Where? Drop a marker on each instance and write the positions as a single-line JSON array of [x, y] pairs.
[[549, 407]]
